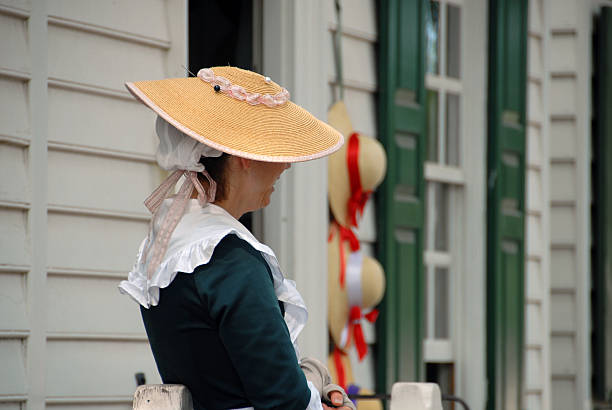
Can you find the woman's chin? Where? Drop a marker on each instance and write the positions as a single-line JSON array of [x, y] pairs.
[[265, 201]]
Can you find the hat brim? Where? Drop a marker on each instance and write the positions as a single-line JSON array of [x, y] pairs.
[[286, 133], [337, 297]]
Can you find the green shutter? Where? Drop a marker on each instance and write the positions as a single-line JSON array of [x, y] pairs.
[[506, 202], [602, 208], [401, 196]]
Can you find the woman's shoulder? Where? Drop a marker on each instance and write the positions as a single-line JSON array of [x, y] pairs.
[[233, 247], [235, 258], [236, 275]]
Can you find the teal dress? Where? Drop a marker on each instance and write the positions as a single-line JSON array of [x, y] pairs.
[[220, 331]]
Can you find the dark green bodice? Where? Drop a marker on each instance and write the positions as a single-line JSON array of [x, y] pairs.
[[220, 331]]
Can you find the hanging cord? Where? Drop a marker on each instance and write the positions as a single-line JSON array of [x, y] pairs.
[[387, 397], [338, 49]]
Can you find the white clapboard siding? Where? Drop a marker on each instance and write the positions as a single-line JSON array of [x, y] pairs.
[[15, 198], [568, 71], [359, 37], [14, 121], [537, 272], [144, 19], [76, 159]]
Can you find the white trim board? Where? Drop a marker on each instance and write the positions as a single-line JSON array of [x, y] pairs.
[[470, 335], [295, 222], [570, 29]]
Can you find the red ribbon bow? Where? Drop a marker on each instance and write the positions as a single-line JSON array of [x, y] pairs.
[[359, 197], [356, 329]]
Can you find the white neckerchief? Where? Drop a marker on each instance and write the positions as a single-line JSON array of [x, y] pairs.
[[191, 245]]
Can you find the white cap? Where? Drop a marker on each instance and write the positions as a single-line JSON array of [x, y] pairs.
[[179, 151]]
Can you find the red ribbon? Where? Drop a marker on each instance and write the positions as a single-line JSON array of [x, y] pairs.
[[359, 197], [355, 317], [346, 234], [340, 372]]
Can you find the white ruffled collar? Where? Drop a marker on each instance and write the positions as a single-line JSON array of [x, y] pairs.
[[191, 245]]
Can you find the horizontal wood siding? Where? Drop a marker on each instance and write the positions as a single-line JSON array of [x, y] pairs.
[[537, 258], [15, 199], [80, 155], [569, 75]]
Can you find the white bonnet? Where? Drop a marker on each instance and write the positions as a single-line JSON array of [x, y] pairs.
[[179, 151]]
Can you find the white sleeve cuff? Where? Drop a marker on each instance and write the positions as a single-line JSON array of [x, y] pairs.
[[315, 398]]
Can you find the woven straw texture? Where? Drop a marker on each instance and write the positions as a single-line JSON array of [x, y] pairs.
[[286, 133]]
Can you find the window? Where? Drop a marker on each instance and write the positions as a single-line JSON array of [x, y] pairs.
[[444, 176]]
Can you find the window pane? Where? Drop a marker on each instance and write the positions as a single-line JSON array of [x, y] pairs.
[[441, 217], [428, 312], [429, 200], [432, 125], [442, 299], [444, 375], [432, 30], [452, 130], [453, 41]]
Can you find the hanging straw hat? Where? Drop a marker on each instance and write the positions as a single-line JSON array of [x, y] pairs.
[[370, 282], [346, 368], [368, 404], [370, 167], [241, 113]]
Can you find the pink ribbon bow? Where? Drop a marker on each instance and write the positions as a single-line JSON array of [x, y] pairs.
[[175, 213]]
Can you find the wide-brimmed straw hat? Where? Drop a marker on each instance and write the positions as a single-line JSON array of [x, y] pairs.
[[368, 404], [347, 369], [370, 164], [370, 282], [241, 113]]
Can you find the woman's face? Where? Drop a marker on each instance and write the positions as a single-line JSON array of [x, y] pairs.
[[263, 177]]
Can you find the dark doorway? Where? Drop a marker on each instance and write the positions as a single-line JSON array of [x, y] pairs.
[[224, 33], [221, 33]]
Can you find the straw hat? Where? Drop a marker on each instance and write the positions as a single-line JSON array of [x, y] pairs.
[[372, 164], [241, 113], [372, 287], [368, 404], [346, 364]]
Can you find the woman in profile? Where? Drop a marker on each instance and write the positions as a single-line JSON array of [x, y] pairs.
[[219, 314]]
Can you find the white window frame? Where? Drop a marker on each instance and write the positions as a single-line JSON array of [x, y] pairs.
[[441, 350], [467, 203]]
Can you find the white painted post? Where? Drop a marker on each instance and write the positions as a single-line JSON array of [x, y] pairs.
[[162, 397], [295, 222], [416, 396]]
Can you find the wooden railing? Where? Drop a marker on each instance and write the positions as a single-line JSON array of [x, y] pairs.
[[404, 396]]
